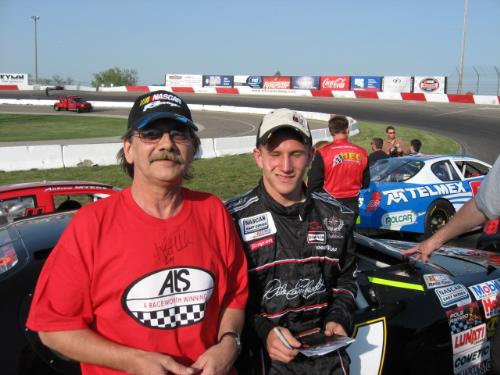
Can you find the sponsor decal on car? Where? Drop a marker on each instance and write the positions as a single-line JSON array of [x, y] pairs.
[[453, 294], [395, 220], [258, 226], [169, 298], [261, 243], [435, 280], [491, 306], [475, 361], [316, 237], [405, 194], [463, 318], [486, 289], [491, 326], [468, 339]]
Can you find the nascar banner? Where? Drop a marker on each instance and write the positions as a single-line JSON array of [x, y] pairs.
[[218, 81], [337, 83], [251, 81], [305, 82], [183, 80], [430, 84], [13, 78], [397, 84], [366, 83], [276, 82]]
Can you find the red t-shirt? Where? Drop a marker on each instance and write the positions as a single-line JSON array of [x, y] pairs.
[[153, 284]]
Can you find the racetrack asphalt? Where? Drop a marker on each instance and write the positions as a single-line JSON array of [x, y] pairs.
[[476, 127]]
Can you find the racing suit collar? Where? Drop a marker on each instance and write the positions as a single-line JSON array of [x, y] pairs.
[[298, 209]]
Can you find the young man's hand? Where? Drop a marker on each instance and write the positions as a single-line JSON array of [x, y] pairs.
[[219, 359], [334, 328], [277, 349]]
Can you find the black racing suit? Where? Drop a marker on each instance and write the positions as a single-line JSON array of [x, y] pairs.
[[301, 269]]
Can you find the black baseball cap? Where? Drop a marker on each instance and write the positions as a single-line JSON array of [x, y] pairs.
[[157, 105]]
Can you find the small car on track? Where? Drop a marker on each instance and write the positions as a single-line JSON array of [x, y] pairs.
[[72, 103], [433, 318], [418, 194], [36, 198]]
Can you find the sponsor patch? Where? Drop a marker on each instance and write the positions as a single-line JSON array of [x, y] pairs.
[[475, 361], [486, 289], [261, 243], [169, 298], [334, 226], [316, 238], [258, 226], [435, 280], [491, 306], [468, 339], [453, 294], [464, 317], [395, 220]]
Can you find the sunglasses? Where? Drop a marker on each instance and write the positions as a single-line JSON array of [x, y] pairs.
[[153, 135]]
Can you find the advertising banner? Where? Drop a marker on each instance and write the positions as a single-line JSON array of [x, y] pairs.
[[276, 82], [366, 83], [218, 81], [430, 84], [251, 81], [397, 84], [338, 83], [183, 80], [305, 82], [13, 78]]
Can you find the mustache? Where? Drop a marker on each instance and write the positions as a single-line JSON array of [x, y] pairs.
[[167, 155]]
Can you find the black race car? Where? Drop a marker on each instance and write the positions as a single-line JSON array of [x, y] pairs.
[[412, 318]]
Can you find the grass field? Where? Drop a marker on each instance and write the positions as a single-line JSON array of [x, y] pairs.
[[225, 176]]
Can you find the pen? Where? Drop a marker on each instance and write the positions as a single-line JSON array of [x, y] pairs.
[[282, 338]]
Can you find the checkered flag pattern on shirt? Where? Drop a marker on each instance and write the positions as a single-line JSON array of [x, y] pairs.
[[173, 317]]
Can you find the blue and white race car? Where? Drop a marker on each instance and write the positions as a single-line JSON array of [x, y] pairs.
[[418, 193]]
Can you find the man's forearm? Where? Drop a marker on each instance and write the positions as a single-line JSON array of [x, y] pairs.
[[232, 320]]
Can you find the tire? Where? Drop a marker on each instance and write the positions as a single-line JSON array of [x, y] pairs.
[[56, 108], [78, 110], [438, 214]]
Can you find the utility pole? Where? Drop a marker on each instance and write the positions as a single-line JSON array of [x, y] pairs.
[[464, 35], [35, 19]]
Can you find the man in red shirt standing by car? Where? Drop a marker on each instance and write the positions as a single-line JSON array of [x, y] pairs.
[[340, 168]]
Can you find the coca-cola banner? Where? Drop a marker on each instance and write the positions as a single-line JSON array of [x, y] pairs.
[[218, 81], [339, 83], [252, 81], [13, 78], [397, 84], [430, 84], [305, 82], [276, 82], [183, 80], [366, 83]]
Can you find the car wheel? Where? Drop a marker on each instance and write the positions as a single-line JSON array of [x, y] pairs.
[[56, 108], [78, 109], [438, 214]]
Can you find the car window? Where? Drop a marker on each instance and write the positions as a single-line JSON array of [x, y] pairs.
[[14, 208], [471, 169], [63, 202], [444, 171], [395, 169]]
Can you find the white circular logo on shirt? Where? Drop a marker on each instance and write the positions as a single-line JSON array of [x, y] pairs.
[[169, 298]]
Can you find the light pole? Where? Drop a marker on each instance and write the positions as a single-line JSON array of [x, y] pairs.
[[35, 19], [464, 34]]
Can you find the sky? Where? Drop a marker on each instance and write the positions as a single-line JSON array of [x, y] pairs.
[[77, 39]]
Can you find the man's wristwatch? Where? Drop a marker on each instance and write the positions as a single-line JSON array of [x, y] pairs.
[[235, 336]]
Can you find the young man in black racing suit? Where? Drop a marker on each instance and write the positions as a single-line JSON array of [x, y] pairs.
[[300, 256]]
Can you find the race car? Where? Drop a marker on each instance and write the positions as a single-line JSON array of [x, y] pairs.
[[72, 103], [412, 317], [28, 199], [418, 194]]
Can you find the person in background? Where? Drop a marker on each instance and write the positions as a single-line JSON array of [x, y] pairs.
[[484, 206], [301, 264], [340, 168], [377, 152], [394, 146], [415, 146], [153, 279]]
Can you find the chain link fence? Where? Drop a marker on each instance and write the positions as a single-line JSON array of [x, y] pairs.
[[478, 80]]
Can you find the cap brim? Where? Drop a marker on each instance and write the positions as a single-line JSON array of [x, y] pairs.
[[264, 138], [166, 115]]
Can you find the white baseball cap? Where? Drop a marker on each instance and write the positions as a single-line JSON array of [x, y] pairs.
[[283, 118]]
